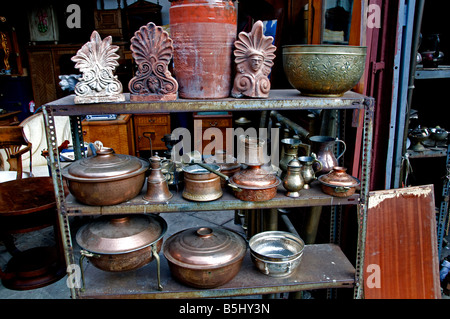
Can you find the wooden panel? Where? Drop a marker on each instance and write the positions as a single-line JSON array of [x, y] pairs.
[[401, 256], [202, 122], [41, 73]]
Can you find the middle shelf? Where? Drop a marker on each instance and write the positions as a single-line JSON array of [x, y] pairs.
[[309, 197]]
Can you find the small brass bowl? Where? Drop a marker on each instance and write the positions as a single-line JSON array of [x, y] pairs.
[[323, 70]]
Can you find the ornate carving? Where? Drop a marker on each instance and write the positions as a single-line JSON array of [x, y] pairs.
[[254, 59], [97, 60], [152, 51]]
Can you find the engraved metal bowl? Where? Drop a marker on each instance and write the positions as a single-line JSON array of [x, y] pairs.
[[276, 253], [323, 70]]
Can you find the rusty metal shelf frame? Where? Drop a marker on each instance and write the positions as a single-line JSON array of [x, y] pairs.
[[278, 100]]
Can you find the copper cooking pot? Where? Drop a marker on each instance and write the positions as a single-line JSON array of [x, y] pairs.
[[107, 178], [122, 243], [338, 183], [255, 183], [201, 183], [205, 257]]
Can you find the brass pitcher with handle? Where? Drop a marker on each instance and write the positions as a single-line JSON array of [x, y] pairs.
[[322, 148], [307, 170]]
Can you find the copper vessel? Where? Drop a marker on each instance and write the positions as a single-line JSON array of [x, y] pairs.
[[106, 178], [200, 184], [205, 257], [251, 150], [293, 181], [307, 170], [338, 183], [255, 184], [157, 186], [122, 243], [323, 149]]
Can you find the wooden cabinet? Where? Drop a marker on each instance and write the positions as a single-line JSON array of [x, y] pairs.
[[151, 127], [117, 134], [205, 120]]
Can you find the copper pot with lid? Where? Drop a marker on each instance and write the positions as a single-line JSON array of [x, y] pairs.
[[106, 178], [122, 243], [205, 257], [338, 183]]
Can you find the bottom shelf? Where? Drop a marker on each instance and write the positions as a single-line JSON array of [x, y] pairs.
[[322, 266]]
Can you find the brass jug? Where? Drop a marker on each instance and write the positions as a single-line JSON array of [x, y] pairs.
[[293, 181], [157, 185], [323, 149], [289, 151], [307, 170]]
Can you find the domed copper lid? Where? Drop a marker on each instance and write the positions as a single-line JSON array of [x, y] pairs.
[[338, 177], [255, 178], [204, 247], [123, 234], [105, 166]]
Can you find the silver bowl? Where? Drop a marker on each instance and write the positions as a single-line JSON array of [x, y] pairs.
[[323, 70], [276, 253]]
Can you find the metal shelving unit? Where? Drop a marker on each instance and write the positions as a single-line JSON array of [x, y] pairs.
[[334, 271]]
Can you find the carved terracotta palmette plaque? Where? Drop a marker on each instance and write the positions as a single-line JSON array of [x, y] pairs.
[[97, 60], [152, 51], [254, 54]]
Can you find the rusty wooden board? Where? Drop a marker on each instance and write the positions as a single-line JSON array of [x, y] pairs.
[[401, 256], [322, 266]]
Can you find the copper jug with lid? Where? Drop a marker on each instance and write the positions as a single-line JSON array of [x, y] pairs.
[[157, 185]]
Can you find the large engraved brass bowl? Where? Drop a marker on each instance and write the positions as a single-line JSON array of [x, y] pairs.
[[323, 70]]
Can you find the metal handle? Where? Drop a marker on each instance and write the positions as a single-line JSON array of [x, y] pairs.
[[84, 254], [345, 147], [158, 266]]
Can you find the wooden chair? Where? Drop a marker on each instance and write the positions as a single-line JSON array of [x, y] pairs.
[[15, 144]]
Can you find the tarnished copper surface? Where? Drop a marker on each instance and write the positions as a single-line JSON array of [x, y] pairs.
[[205, 257], [106, 179], [338, 183], [200, 184], [122, 243], [157, 185]]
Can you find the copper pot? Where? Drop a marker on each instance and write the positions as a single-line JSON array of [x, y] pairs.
[[254, 184], [205, 257], [200, 184], [122, 243], [106, 179], [338, 183]]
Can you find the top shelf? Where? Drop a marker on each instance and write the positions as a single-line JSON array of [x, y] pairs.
[[441, 72], [278, 100]]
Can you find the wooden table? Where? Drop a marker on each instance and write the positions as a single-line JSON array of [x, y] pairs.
[[28, 205]]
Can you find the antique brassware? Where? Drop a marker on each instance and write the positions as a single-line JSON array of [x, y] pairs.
[[417, 137], [289, 151], [122, 243], [322, 147], [205, 257], [276, 253], [307, 170], [338, 183], [201, 184], [438, 134], [106, 178], [293, 180], [323, 70], [157, 185]]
